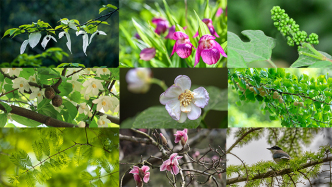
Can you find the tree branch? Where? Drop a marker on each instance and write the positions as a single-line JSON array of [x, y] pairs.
[[239, 139], [38, 117]]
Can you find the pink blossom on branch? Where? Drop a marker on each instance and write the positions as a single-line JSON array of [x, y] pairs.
[[171, 164], [181, 136], [141, 174], [209, 50], [208, 23], [182, 46]]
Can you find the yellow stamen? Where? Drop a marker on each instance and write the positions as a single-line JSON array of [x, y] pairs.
[[104, 70], [103, 103], [21, 85], [185, 98], [94, 86]]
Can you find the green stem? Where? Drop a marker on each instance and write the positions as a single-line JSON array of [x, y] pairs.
[[311, 55], [272, 64], [317, 55], [159, 82]]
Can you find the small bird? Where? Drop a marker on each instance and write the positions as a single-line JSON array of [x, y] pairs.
[[278, 154]]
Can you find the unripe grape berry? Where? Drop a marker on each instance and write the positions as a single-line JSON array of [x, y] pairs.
[[49, 93], [57, 101]]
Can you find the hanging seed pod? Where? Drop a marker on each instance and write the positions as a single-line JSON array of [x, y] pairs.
[[57, 101], [49, 93]]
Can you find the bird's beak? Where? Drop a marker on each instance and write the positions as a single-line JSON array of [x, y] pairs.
[[268, 148]]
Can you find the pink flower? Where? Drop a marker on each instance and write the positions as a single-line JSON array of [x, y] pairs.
[[182, 46], [141, 173], [196, 154], [137, 36], [147, 54], [219, 12], [181, 136], [171, 31], [162, 25], [208, 23], [209, 49], [171, 164]]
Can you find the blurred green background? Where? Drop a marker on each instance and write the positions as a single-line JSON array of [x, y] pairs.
[[103, 50], [313, 16], [13, 140], [132, 104], [143, 11], [249, 114]]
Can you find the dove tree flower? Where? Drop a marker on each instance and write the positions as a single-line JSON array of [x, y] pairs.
[[181, 103], [182, 46], [106, 103], [85, 39], [181, 136], [22, 84], [209, 49], [61, 34], [103, 121], [171, 164], [33, 41], [138, 80], [32, 78], [96, 33], [141, 174], [46, 39], [162, 25], [208, 23]]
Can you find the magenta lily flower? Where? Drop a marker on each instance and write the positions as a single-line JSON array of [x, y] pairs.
[[162, 25], [141, 174], [147, 54], [209, 50], [171, 31], [181, 136], [182, 46], [171, 164], [208, 23]]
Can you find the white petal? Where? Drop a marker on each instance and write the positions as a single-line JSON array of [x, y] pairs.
[[45, 41], [23, 46], [92, 36], [53, 38], [102, 33], [183, 81], [173, 109], [164, 100], [85, 43], [69, 42], [72, 26], [34, 39], [61, 34], [183, 117], [173, 91], [195, 112], [80, 32], [186, 109], [201, 97]]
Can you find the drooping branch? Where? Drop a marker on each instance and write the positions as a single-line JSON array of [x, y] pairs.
[[277, 173], [37, 117], [243, 136]]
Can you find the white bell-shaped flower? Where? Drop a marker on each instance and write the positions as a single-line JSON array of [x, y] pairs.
[[85, 40], [46, 39], [68, 38], [98, 33]]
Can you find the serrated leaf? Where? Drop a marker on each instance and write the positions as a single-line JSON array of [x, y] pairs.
[[218, 99], [34, 39], [21, 159], [86, 175], [304, 60], [158, 117], [258, 49], [45, 147]]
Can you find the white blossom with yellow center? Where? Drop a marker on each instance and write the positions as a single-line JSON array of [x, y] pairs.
[[36, 93], [106, 103], [102, 71], [32, 78], [181, 103], [92, 87], [14, 71], [103, 121], [22, 84], [84, 108], [76, 85]]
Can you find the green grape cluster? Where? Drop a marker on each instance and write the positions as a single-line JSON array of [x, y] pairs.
[[288, 28]]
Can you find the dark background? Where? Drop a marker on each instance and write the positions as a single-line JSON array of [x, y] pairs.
[[103, 50], [312, 16], [132, 104]]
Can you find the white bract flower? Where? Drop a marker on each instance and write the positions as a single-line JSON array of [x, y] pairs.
[[103, 121], [23, 46], [68, 38], [102, 71], [22, 84], [85, 40], [34, 39], [14, 71], [98, 33], [92, 87], [106, 103], [76, 85], [36, 92], [84, 108], [138, 80], [181, 102], [46, 39], [32, 78]]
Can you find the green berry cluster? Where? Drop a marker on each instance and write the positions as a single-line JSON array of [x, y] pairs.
[[288, 27]]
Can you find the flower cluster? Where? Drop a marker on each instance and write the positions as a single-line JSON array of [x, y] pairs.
[[181, 103], [141, 174]]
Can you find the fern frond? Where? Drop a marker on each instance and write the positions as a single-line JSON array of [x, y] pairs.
[[37, 149], [21, 159]]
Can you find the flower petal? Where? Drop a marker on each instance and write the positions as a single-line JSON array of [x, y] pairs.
[[198, 54], [174, 48], [201, 97], [175, 170], [34, 39], [135, 170], [183, 81], [220, 49], [164, 100], [210, 56], [183, 117], [23, 46], [174, 91], [145, 168], [196, 35], [173, 109], [93, 35], [186, 109], [195, 112], [184, 50], [146, 177], [180, 35]]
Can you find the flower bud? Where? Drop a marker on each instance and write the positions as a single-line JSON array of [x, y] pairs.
[[183, 141], [163, 139], [90, 114], [147, 54]]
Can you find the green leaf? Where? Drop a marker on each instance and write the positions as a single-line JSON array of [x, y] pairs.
[[102, 9], [158, 117], [21, 159], [75, 96], [7, 107], [65, 88], [25, 121], [141, 32], [71, 109], [235, 60], [46, 73], [202, 27], [305, 60], [112, 6], [258, 49], [218, 99], [168, 13], [321, 64], [10, 32], [115, 73], [207, 10], [3, 119], [78, 156], [37, 149]]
